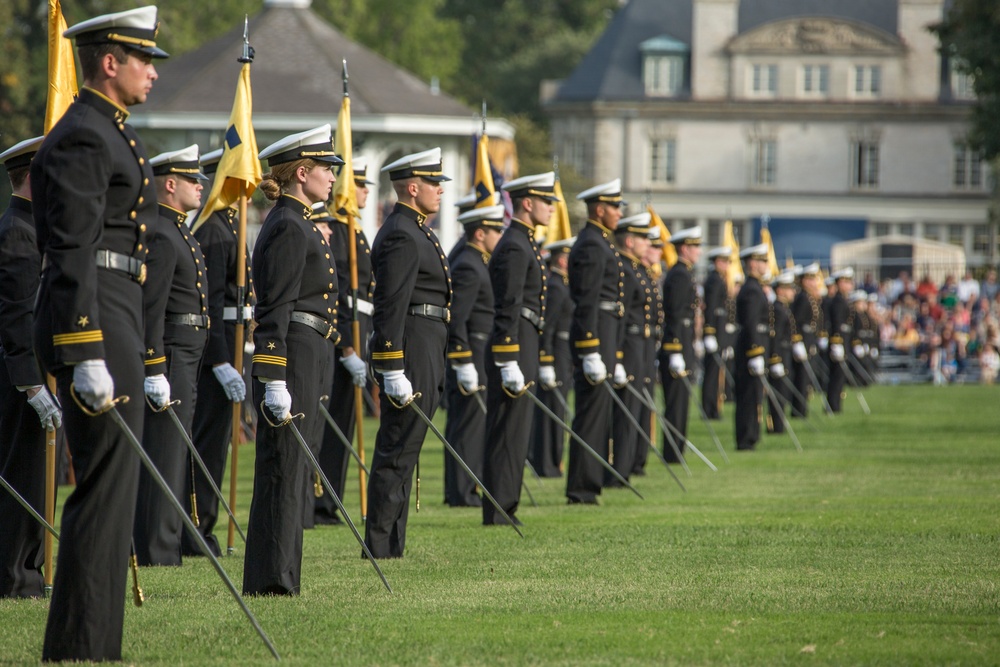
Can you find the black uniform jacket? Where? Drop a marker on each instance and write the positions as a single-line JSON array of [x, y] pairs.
[[680, 301], [472, 303], [217, 237], [410, 270], [559, 317], [340, 239], [518, 282], [751, 317], [780, 331], [175, 280], [20, 265], [840, 320], [92, 189], [716, 313], [293, 271], [595, 279], [808, 315]]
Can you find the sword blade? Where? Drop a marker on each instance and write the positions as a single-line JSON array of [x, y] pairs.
[[854, 383], [635, 424], [444, 441], [651, 404], [788, 383], [827, 410], [781, 411], [28, 508], [336, 499], [204, 469], [705, 419], [580, 441], [690, 445], [165, 488], [342, 437]]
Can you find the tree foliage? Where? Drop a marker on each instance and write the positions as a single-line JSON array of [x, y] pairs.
[[970, 34]]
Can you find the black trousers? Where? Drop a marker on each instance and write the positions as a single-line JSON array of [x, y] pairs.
[[333, 457], [466, 431], [802, 383], [273, 561], [157, 528], [548, 439], [88, 597], [212, 430], [835, 387], [749, 393], [22, 464], [675, 399], [646, 421], [401, 436], [626, 441], [508, 429], [713, 386]]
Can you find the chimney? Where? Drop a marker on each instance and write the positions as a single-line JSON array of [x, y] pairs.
[[922, 62], [715, 22]]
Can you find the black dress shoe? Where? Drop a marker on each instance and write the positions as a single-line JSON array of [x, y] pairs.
[[328, 520], [582, 501]]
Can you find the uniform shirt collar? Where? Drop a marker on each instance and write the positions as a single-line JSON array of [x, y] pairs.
[[408, 211], [599, 226], [20, 203], [102, 103], [524, 227], [289, 201], [170, 212]]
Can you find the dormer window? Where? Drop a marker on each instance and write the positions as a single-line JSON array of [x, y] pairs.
[[664, 66]]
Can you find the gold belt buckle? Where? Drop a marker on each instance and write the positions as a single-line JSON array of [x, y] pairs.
[[142, 274], [329, 332]]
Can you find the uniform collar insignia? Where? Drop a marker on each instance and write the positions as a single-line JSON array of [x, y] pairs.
[[170, 212], [295, 202], [103, 104], [20, 203], [410, 212], [525, 227]]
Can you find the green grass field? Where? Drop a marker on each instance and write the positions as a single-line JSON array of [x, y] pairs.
[[880, 544]]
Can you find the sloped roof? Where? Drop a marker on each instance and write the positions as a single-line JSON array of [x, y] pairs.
[[297, 70], [612, 69]]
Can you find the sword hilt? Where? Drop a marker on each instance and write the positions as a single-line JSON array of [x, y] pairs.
[[280, 422], [137, 595], [463, 391], [399, 406], [517, 394], [121, 400], [194, 510], [164, 407], [317, 486]]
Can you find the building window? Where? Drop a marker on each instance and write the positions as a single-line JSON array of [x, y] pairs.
[[880, 229], [664, 75], [816, 80], [764, 80], [714, 237], [765, 161], [738, 232], [932, 231], [981, 239], [864, 164], [867, 80], [663, 161], [575, 152], [963, 85], [968, 173], [906, 228], [956, 235]]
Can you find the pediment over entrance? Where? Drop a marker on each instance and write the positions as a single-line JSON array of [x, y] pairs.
[[816, 36]]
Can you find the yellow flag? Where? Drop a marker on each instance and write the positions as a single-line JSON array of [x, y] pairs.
[[558, 228], [62, 68], [345, 192], [239, 164], [483, 177], [735, 268], [772, 259], [669, 251]]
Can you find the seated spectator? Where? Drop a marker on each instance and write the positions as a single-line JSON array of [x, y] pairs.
[[926, 289], [900, 286], [952, 360], [968, 288], [907, 337], [948, 294], [870, 286], [990, 287], [989, 364]]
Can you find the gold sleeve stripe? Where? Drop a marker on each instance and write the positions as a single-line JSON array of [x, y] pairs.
[[591, 342], [836, 339], [382, 356], [709, 331], [547, 359], [797, 338], [755, 351], [619, 354], [507, 348], [672, 347], [460, 355], [775, 359], [153, 362], [78, 337], [269, 359]]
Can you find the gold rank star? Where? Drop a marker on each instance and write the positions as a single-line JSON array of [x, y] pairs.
[[83, 321], [271, 345], [506, 339], [388, 344], [150, 352]]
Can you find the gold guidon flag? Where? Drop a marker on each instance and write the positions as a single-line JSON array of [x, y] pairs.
[[62, 68], [345, 192], [735, 268], [558, 228], [669, 251], [482, 182], [239, 165], [772, 259]]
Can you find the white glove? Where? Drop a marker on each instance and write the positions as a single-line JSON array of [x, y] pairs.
[[468, 377], [231, 381], [837, 352], [699, 349], [677, 365], [867, 349], [396, 386], [547, 377], [357, 368], [728, 354], [711, 344], [511, 376], [594, 368], [48, 410], [756, 366], [157, 389], [874, 353], [778, 370], [799, 351], [93, 383], [277, 399], [858, 351], [620, 377], [823, 343]]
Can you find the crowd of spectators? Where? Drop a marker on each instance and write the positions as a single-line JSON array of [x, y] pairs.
[[945, 326]]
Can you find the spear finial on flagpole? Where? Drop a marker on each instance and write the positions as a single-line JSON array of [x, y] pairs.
[[247, 56], [555, 164], [344, 72], [484, 117]]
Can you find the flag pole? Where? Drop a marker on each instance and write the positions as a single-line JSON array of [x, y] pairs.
[[241, 282], [352, 254]]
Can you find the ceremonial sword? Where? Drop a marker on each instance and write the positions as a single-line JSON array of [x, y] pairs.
[[704, 417], [781, 411], [638, 427], [340, 435]]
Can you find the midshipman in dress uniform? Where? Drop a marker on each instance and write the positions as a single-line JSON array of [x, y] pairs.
[[840, 335], [751, 347], [94, 201], [409, 337], [713, 381], [808, 314], [781, 329]]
